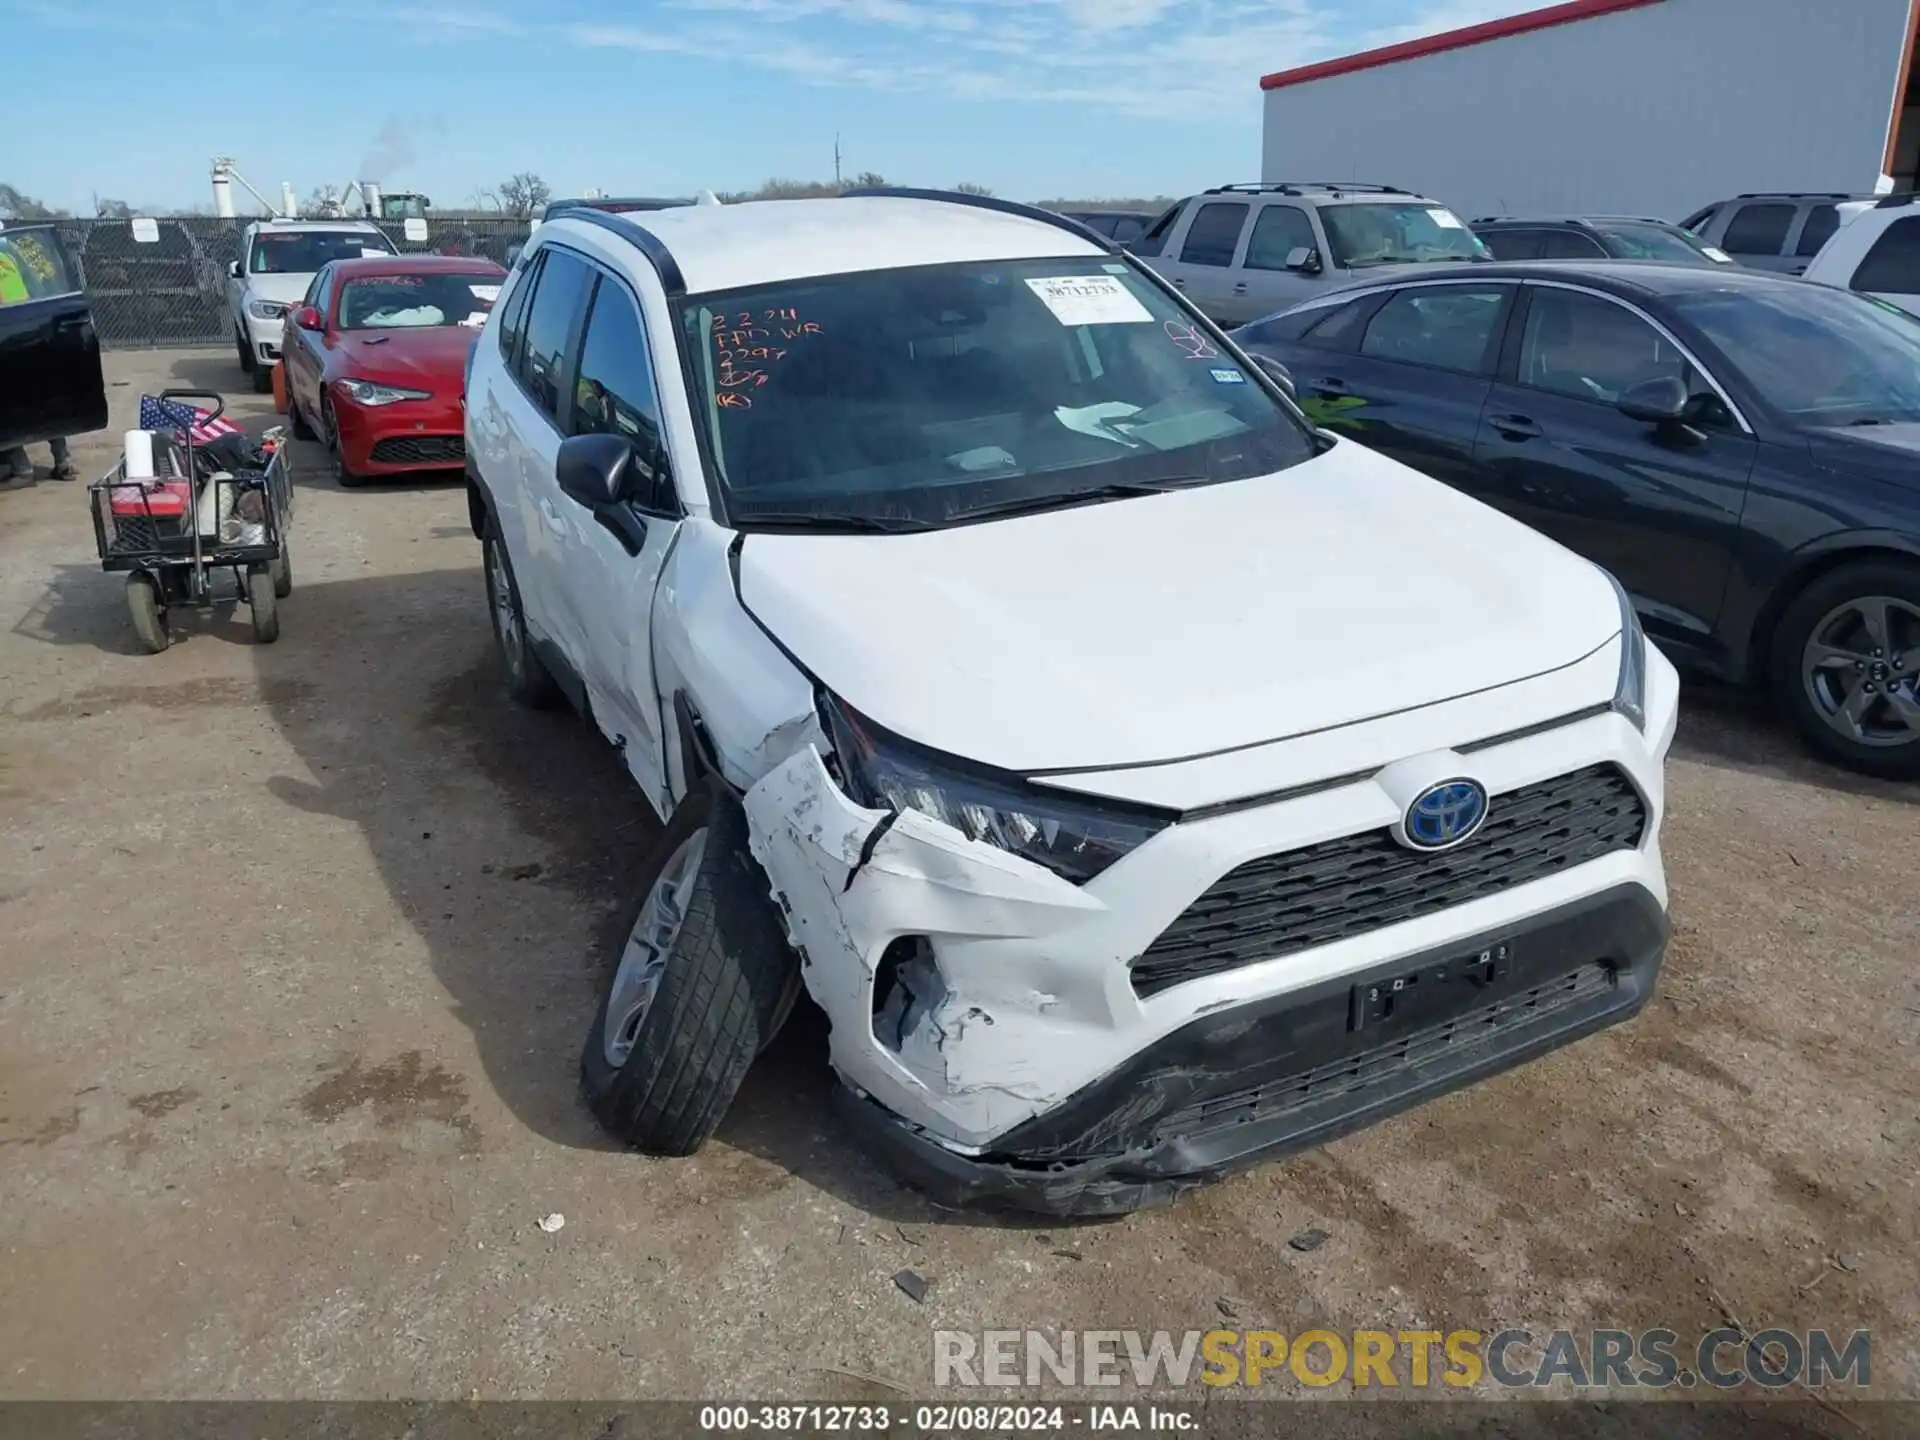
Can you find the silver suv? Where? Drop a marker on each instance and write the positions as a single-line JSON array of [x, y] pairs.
[[1779, 232], [1241, 252]]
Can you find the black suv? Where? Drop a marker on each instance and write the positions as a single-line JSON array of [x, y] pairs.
[[1594, 237], [1741, 450]]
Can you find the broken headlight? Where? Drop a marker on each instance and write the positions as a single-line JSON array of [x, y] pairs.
[[1630, 694], [1073, 838]]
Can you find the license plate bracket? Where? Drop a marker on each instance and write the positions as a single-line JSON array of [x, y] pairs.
[[1431, 990]]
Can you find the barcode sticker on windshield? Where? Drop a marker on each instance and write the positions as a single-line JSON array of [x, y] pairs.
[[488, 293], [369, 252], [1089, 300], [1446, 219]]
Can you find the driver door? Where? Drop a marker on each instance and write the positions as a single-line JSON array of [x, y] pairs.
[[605, 582]]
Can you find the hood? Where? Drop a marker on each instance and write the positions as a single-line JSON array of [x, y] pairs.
[[1179, 625], [423, 359], [284, 289]]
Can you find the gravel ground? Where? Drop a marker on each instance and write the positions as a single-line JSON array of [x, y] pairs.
[[298, 944]]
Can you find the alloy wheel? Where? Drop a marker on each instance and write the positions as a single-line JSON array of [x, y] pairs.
[[506, 614], [643, 960], [1860, 668]]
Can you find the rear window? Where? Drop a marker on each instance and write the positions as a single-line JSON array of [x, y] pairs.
[[1892, 266], [1822, 221], [301, 252], [1637, 240], [1512, 244], [1758, 230]]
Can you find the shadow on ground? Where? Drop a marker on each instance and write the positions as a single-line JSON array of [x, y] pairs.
[[495, 829], [1741, 730]]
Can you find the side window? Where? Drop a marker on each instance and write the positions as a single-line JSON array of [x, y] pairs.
[[513, 319], [1513, 244], [1822, 221], [312, 297], [1892, 266], [1215, 233], [1698, 222], [1128, 228], [1155, 240], [1448, 326], [614, 393], [564, 280], [1339, 329], [1758, 230], [1280, 230], [1592, 349], [1569, 245]]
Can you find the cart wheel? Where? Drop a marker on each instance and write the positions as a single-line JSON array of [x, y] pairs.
[[262, 602], [149, 613], [281, 569]]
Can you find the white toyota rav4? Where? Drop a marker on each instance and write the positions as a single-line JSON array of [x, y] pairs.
[[1143, 783]]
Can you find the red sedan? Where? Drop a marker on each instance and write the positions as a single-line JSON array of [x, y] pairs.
[[376, 359]]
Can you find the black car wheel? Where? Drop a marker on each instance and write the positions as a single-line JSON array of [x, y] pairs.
[[1847, 663], [527, 680], [245, 352], [330, 433]]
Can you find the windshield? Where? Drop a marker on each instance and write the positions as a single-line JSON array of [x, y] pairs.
[[924, 396], [395, 302], [1631, 240], [1825, 357], [301, 252], [1396, 234]]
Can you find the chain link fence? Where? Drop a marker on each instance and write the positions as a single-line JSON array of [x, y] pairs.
[[173, 291]]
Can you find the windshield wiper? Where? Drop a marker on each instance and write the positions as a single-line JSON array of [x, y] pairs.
[[831, 520], [1061, 500]]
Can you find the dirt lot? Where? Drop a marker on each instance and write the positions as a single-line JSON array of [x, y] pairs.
[[298, 944]]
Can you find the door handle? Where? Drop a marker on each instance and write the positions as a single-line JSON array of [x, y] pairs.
[[1329, 385], [1516, 427], [1240, 288], [1179, 284]]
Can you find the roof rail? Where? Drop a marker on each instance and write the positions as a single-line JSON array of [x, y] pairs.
[[987, 202], [1798, 195], [1302, 187], [641, 238], [1894, 202]]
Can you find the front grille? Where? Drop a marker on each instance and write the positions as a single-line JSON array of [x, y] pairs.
[[1351, 1076], [1337, 889], [419, 450]]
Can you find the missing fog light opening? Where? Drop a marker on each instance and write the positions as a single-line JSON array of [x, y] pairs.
[[907, 988]]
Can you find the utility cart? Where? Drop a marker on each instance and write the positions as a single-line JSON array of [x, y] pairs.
[[171, 531]]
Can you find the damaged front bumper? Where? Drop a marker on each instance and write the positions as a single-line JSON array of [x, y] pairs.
[[999, 1043], [1242, 1086]]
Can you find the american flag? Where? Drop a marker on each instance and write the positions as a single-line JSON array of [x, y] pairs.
[[158, 414]]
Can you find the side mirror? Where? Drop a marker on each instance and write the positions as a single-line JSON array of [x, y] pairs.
[[1305, 259], [233, 269], [596, 470], [1664, 401], [308, 318], [1275, 372]]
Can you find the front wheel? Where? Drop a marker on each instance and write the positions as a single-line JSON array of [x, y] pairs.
[[262, 602], [703, 978], [149, 612], [330, 432], [1847, 667], [245, 352], [263, 378]]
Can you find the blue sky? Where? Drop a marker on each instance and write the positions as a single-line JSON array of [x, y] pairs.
[[1035, 98]]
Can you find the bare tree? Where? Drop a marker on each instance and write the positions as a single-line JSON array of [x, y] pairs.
[[524, 194], [485, 199], [323, 202], [967, 187]]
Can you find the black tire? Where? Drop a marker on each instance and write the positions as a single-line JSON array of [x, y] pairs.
[[245, 352], [263, 379], [297, 420], [527, 680], [728, 980], [264, 604], [1810, 696], [149, 612], [280, 569], [343, 476]]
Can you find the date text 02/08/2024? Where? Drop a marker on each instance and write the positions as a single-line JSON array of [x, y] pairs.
[[944, 1419]]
